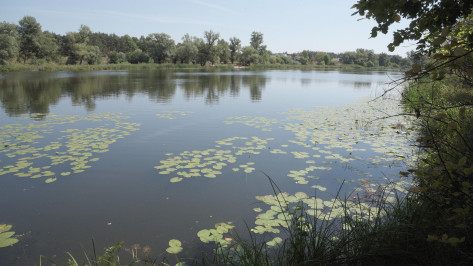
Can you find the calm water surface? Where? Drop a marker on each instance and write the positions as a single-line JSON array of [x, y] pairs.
[[122, 197]]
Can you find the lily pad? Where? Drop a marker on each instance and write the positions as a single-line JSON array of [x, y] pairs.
[[7, 238], [174, 246]]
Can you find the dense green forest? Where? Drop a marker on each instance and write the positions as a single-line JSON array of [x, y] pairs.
[[27, 43]]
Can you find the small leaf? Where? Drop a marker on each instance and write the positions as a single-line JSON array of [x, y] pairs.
[[50, 180], [8, 242], [174, 243], [397, 18], [459, 51], [438, 41], [174, 246], [431, 238], [415, 68]]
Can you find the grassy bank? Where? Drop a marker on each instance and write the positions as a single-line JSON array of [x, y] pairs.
[[127, 66], [122, 66], [341, 67]]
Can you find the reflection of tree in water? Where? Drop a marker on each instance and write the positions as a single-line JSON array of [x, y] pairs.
[[159, 85], [256, 83], [209, 86], [362, 85], [235, 85], [212, 87], [356, 84], [21, 94]]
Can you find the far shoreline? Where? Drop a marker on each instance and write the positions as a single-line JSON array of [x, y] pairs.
[[50, 67]]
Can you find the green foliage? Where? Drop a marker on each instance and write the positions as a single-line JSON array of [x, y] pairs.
[[137, 57], [256, 41], [116, 57], [249, 56], [160, 47], [29, 31], [388, 234], [7, 237], [187, 51], [235, 47], [431, 16], [8, 49], [47, 51], [207, 48], [446, 170], [223, 51]]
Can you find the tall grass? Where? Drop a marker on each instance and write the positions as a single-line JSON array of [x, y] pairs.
[[393, 234]]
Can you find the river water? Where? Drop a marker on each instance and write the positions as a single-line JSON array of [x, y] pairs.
[[149, 156]]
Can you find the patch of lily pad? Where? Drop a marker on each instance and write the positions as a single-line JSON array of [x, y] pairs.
[[172, 114], [210, 162], [45, 149], [216, 235], [301, 176], [7, 237], [174, 246], [259, 122], [352, 129]]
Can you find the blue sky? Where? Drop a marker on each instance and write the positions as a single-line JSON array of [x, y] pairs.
[[292, 26]]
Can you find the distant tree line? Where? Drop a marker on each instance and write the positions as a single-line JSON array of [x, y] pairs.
[[29, 44]]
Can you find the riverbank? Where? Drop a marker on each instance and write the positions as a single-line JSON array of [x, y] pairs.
[[50, 67]]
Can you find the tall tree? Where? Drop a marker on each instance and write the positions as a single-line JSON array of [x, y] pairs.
[[249, 55], [187, 51], [256, 40], [160, 47], [79, 49], [49, 47], [235, 47], [127, 44], [29, 31], [223, 51], [207, 49], [8, 42]]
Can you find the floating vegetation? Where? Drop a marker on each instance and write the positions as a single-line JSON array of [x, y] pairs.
[[209, 163], [321, 188], [324, 137], [301, 176], [275, 242], [46, 149], [172, 114], [353, 128], [174, 246], [278, 151], [257, 122], [216, 235], [7, 237]]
